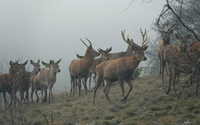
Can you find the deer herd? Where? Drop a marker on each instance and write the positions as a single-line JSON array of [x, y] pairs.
[[109, 67]]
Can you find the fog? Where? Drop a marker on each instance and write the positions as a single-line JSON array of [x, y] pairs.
[[51, 29]]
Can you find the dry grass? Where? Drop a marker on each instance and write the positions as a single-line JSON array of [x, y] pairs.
[[147, 104]]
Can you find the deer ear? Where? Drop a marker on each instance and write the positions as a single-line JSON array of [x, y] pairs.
[[25, 63], [188, 36], [11, 62], [110, 49], [171, 31], [31, 61], [145, 48], [44, 63], [58, 61], [177, 36]]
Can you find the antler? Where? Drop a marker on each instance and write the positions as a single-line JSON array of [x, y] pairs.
[[144, 43], [158, 24], [84, 43], [89, 41], [173, 25], [128, 40]]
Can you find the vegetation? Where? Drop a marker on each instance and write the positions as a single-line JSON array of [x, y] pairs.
[[147, 104]]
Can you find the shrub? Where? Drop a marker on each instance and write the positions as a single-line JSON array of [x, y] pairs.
[[137, 72]]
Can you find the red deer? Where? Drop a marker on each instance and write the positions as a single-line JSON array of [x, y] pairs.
[[25, 83], [104, 56], [174, 49], [179, 64], [121, 69], [37, 85], [163, 42], [6, 80], [48, 76], [79, 68], [17, 83]]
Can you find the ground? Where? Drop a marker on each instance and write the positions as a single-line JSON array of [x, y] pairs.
[[147, 104]]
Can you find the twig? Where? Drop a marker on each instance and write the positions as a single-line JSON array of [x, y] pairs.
[[186, 83], [44, 116], [170, 8]]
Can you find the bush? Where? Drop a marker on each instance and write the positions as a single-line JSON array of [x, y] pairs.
[[137, 72]]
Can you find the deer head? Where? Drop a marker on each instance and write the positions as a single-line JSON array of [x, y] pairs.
[[105, 53], [165, 33], [55, 67], [139, 50], [91, 52], [36, 66], [183, 41], [22, 67], [48, 65], [14, 67]]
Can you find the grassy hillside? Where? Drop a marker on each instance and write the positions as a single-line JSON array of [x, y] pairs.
[[147, 105]]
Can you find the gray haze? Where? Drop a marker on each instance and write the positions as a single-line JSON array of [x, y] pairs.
[[51, 29]]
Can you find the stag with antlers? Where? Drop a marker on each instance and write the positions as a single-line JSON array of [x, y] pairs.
[[162, 43], [121, 69], [104, 57], [80, 68]]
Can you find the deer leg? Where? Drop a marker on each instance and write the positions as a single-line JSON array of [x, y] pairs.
[[27, 95], [174, 79], [108, 85], [90, 77], [130, 87], [71, 85], [99, 81], [4, 97], [122, 88], [170, 78], [32, 90], [197, 87], [74, 82], [22, 95], [85, 84], [94, 78], [160, 66], [37, 95], [42, 94], [163, 66], [45, 96], [79, 86]]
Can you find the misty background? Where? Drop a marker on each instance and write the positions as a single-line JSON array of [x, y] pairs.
[[51, 30]]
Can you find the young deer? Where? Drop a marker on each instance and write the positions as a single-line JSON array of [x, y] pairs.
[[121, 69], [48, 76], [163, 42], [25, 85], [6, 80], [17, 83], [37, 85], [174, 49], [80, 68], [182, 63]]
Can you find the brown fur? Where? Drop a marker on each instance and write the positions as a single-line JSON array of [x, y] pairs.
[[25, 85], [119, 70], [80, 68], [48, 76], [37, 85]]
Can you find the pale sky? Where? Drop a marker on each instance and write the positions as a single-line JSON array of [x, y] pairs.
[[51, 29]]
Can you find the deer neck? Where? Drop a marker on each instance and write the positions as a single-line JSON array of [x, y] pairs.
[[52, 74], [88, 59], [129, 51], [132, 62], [34, 72]]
